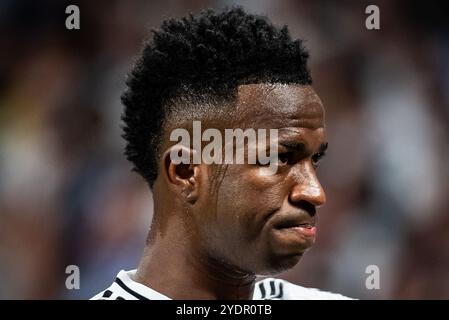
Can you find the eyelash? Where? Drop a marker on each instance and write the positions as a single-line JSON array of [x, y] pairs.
[[285, 154], [288, 157], [317, 157]]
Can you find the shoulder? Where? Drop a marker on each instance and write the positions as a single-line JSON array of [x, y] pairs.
[[115, 292], [278, 289], [125, 288]]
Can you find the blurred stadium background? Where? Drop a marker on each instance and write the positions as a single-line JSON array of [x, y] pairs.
[[67, 196]]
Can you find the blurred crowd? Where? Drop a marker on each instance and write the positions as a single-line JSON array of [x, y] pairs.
[[67, 196]]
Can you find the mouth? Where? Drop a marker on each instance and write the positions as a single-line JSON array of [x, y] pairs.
[[297, 227], [292, 223]]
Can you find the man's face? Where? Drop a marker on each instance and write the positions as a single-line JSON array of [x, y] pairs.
[[264, 223]]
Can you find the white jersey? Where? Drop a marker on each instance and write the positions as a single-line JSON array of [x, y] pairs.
[[124, 288]]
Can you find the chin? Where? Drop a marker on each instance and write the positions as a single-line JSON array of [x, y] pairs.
[[278, 264]]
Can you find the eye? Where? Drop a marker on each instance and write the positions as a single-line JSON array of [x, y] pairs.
[[316, 158], [285, 158]]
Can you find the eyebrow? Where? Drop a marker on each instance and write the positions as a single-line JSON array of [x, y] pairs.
[[300, 146], [293, 145]]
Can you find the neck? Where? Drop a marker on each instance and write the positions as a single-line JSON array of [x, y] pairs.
[[176, 269]]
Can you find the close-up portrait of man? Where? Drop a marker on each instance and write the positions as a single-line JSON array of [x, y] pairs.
[[224, 150], [216, 227]]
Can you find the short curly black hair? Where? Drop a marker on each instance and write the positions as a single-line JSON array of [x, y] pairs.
[[209, 52]]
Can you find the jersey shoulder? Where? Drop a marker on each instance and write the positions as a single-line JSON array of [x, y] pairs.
[[114, 293], [279, 289], [125, 288]]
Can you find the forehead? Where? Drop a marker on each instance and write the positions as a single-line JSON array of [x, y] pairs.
[[279, 105]]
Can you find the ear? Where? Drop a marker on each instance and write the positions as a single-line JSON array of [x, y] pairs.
[[181, 175]]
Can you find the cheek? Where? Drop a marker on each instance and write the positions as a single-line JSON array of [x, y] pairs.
[[261, 190], [245, 198]]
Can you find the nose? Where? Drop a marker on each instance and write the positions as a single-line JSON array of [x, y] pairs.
[[307, 188]]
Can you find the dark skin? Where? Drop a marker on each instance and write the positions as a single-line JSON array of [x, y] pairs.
[[218, 226]]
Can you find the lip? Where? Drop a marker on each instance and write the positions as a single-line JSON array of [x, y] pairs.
[[305, 231], [293, 221], [299, 228]]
